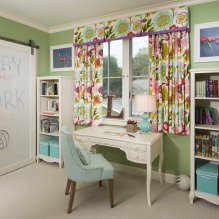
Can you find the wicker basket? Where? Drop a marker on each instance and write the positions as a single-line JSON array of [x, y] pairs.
[[131, 128]]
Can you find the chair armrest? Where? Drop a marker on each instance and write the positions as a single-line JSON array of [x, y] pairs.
[[89, 173]]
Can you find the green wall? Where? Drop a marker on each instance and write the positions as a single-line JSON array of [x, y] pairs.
[[203, 13], [25, 33], [59, 38], [176, 148]]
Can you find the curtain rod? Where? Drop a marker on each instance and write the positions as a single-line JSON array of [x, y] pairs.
[[31, 43]]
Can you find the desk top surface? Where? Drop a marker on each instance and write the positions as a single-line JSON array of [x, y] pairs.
[[118, 133]]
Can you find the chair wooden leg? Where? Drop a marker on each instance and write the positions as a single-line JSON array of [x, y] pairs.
[[72, 195], [111, 193], [67, 187], [100, 183]]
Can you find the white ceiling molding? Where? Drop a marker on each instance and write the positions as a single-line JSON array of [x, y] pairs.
[[33, 24], [121, 14], [70, 26]]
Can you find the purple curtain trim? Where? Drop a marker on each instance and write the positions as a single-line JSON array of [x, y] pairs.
[[165, 31], [134, 35]]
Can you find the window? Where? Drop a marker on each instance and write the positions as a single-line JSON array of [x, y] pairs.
[[140, 75], [112, 77], [125, 74]]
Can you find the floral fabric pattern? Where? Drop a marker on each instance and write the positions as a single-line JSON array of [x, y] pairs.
[[87, 34], [145, 24], [88, 87], [169, 81]]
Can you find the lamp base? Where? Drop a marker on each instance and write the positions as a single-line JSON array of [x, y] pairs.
[[145, 126]]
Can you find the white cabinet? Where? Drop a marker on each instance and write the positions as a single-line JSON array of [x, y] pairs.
[[204, 139], [54, 109]]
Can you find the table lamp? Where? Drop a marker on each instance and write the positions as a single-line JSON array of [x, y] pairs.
[[146, 104]]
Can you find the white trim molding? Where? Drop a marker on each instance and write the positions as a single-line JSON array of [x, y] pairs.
[[168, 178], [126, 13], [68, 26], [8, 15]]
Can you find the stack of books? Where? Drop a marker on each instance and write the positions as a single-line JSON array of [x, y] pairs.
[[207, 146], [205, 115], [207, 88], [49, 125]]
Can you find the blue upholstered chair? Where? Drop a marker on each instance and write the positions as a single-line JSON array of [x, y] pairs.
[[80, 166]]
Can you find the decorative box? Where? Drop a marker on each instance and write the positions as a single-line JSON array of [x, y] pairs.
[[131, 128], [44, 148], [54, 149], [207, 178]]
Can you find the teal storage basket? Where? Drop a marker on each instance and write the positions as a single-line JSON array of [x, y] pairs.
[[54, 148], [44, 148], [207, 178]]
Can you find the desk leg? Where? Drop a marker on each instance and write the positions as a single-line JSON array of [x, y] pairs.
[[161, 161], [160, 166], [149, 184]]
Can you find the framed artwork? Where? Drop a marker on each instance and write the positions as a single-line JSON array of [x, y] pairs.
[[61, 58], [206, 41]]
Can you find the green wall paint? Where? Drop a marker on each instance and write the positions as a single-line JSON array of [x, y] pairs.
[[60, 38], [176, 148], [24, 33], [203, 13]]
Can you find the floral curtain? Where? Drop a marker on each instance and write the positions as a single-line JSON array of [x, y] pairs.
[[169, 20], [169, 81], [88, 84]]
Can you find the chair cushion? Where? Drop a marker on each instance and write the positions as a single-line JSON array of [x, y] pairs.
[[83, 155], [97, 160]]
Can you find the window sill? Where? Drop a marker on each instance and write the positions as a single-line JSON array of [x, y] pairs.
[[119, 122]]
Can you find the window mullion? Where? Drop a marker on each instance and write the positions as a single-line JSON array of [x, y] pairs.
[[126, 72], [108, 72]]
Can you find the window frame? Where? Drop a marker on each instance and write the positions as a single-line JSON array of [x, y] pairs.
[[126, 85]]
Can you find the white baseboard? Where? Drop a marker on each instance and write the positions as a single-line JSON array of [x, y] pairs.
[[169, 178]]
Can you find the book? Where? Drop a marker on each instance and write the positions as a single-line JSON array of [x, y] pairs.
[[215, 88], [54, 125], [44, 87]]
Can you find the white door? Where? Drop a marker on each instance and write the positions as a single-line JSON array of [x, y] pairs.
[[17, 106]]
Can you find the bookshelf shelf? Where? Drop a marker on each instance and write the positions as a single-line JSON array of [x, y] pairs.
[[207, 158], [204, 139], [50, 134], [50, 96], [207, 98], [207, 127], [54, 109]]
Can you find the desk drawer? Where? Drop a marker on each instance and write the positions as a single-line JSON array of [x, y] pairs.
[[139, 157], [108, 142], [137, 147]]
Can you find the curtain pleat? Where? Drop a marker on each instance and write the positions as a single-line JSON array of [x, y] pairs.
[[88, 84], [169, 81]]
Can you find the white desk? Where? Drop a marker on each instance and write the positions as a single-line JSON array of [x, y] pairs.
[[143, 148]]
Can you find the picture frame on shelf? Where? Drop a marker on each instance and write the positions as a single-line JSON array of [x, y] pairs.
[[61, 58], [206, 41]]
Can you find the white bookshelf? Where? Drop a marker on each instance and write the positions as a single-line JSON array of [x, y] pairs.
[[61, 111], [198, 75]]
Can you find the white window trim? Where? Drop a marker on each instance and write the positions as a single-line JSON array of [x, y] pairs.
[[126, 92], [126, 68]]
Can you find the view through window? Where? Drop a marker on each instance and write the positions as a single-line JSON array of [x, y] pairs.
[[122, 84]]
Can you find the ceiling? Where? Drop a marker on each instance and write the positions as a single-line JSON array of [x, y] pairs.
[[50, 14]]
